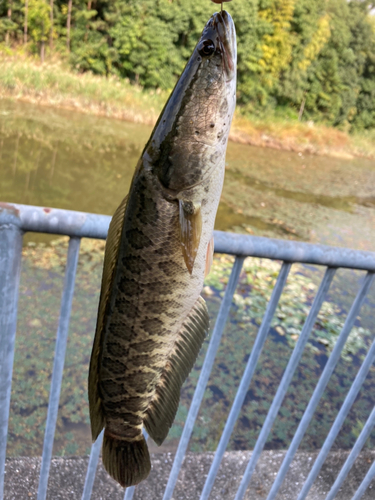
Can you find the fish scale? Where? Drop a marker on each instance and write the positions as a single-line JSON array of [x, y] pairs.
[[159, 329], [152, 320]]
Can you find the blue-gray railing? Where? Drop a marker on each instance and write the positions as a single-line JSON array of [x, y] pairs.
[[15, 220]]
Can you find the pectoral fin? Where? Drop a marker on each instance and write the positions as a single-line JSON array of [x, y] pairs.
[[209, 256], [190, 231]]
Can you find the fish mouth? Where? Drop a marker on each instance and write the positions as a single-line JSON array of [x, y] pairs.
[[226, 31]]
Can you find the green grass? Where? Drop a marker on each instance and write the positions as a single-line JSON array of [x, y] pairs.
[[54, 84]]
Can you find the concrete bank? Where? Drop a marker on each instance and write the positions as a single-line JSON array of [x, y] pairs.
[[68, 474]]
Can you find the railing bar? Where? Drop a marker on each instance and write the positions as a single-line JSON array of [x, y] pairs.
[[293, 251], [86, 225], [362, 438], [287, 377], [58, 364], [91, 469], [323, 381], [129, 492], [246, 378], [365, 483], [204, 376], [10, 268], [349, 400]]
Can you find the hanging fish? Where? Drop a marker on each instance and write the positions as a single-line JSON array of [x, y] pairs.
[[151, 319]]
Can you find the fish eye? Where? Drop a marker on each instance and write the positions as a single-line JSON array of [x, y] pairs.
[[206, 48]]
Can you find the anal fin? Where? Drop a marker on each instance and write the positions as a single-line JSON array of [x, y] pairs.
[[163, 408]]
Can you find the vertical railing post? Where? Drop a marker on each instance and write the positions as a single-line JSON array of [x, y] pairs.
[[213, 346], [365, 483], [340, 419], [58, 364], [246, 377], [91, 469], [286, 380], [129, 492], [10, 267], [358, 445], [320, 387]]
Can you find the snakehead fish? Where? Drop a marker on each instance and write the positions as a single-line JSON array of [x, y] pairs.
[[151, 318]]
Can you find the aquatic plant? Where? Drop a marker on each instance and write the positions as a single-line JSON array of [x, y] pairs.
[[40, 294]]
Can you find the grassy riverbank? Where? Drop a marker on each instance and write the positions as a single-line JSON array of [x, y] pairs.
[[53, 84]]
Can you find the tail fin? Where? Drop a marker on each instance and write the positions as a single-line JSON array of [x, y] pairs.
[[128, 462]]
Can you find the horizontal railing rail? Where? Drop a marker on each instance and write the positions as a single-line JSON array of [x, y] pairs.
[[85, 225], [16, 219]]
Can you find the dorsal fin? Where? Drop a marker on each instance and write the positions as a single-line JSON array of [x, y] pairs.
[[163, 408], [110, 259]]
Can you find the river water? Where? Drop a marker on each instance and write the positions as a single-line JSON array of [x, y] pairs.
[[61, 158]]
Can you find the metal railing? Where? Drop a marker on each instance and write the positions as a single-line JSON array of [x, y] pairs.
[[15, 220]]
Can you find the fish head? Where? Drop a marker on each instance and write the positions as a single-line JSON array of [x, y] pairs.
[[190, 138], [217, 45]]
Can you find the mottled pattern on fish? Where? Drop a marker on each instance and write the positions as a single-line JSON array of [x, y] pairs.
[[152, 320], [154, 294]]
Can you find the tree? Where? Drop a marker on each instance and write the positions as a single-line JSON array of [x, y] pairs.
[[310, 31], [9, 13], [364, 43], [277, 42], [25, 22], [68, 20], [9, 26], [337, 77], [319, 53], [51, 26], [39, 23]]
